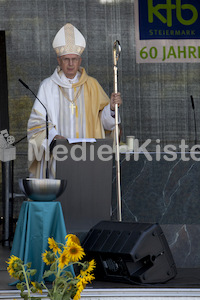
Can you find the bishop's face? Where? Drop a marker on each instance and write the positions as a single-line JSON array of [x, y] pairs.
[[70, 64]]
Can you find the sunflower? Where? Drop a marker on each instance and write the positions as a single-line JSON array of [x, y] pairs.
[[71, 238], [80, 287], [13, 259], [37, 286], [88, 267], [11, 272], [14, 266], [75, 252], [82, 282], [87, 278], [78, 294], [48, 257], [53, 245], [63, 259]]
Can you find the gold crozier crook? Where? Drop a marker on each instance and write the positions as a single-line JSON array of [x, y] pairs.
[[116, 55]]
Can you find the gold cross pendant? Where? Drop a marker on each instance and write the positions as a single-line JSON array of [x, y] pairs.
[[72, 107]]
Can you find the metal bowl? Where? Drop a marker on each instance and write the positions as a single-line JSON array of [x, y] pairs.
[[42, 189]]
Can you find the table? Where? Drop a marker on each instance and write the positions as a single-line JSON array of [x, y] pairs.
[[36, 223]]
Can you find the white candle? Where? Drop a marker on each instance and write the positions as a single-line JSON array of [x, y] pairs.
[[130, 142]]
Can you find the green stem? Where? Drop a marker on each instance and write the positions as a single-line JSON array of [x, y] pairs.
[[26, 280], [57, 276]]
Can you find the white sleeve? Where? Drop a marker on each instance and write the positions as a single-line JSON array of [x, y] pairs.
[[107, 120], [52, 133]]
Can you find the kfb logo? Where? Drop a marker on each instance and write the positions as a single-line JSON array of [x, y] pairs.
[[169, 19]]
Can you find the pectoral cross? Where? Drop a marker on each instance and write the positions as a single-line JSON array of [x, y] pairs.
[[72, 107]]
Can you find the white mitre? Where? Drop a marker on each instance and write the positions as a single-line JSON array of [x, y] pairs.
[[69, 40]]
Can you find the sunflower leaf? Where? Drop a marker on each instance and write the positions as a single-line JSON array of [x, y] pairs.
[[53, 267], [68, 274], [47, 273]]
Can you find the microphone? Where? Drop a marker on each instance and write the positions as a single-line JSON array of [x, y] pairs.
[[192, 100], [195, 125], [47, 126], [27, 87]]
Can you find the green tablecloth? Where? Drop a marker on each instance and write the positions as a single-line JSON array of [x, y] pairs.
[[36, 223]]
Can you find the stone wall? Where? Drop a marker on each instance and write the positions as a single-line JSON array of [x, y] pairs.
[[164, 192]]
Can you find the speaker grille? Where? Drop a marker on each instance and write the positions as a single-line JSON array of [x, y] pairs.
[[130, 252]]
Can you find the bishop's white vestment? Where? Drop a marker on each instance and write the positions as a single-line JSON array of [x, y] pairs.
[[77, 108]]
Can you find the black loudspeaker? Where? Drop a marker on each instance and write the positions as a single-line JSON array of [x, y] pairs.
[[129, 252]]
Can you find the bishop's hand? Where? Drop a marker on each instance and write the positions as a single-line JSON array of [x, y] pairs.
[[115, 99], [59, 137]]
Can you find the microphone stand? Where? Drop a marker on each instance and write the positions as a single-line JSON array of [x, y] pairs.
[[195, 125], [47, 126]]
